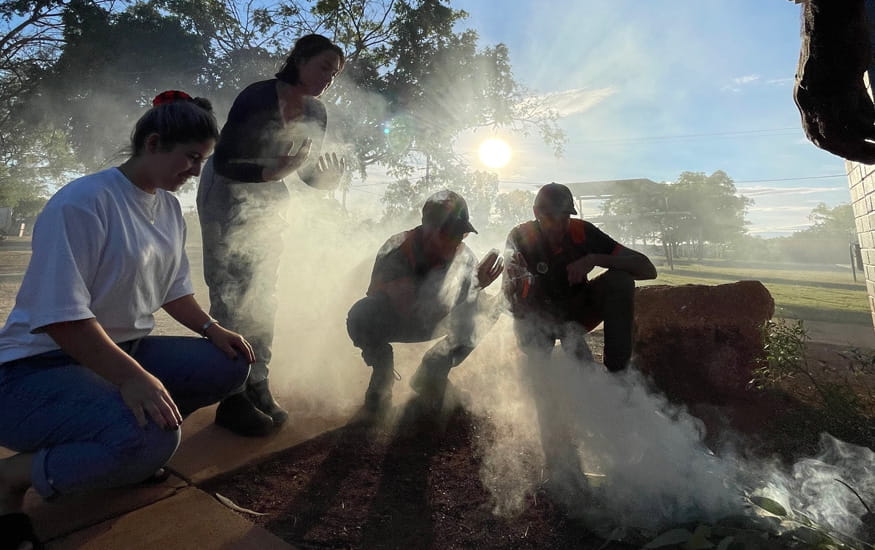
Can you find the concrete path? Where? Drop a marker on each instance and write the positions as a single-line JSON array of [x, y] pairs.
[[175, 514]]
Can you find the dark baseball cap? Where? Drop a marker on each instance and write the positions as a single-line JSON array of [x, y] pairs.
[[449, 210], [555, 198]]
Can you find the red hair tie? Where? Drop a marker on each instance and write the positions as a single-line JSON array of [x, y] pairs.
[[170, 96]]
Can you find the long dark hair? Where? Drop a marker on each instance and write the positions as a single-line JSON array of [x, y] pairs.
[[177, 118], [306, 47]]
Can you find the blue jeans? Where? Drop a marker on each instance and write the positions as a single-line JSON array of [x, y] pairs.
[[82, 434]]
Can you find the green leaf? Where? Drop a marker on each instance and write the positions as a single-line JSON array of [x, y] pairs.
[[674, 536], [699, 540], [769, 505]]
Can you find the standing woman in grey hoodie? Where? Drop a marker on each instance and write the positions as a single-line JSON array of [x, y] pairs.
[[275, 127]]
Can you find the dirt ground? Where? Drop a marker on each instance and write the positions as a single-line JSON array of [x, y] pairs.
[[412, 480]]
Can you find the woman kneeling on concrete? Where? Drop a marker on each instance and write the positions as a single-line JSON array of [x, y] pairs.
[[87, 398]]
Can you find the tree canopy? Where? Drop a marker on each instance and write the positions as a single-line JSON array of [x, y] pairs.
[[695, 209], [82, 71]]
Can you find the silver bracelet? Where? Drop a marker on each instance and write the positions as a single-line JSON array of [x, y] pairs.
[[207, 325]]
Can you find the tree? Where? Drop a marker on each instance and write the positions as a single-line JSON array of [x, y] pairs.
[[33, 154], [412, 84], [695, 209], [513, 207], [639, 213], [837, 222], [716, 211], [110, 64]]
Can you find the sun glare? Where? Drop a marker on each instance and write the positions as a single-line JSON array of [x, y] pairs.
[[495, 153]]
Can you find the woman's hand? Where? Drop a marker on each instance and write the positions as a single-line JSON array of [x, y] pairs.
[[288, 163], [230, 342], [145, 395], [329, 171], [86, 342]]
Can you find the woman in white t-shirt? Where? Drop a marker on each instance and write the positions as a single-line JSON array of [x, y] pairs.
[[87, 398]]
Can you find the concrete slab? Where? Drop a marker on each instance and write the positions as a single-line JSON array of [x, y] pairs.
[[67, 514], [189, 520], [858, 336], [208, 450]]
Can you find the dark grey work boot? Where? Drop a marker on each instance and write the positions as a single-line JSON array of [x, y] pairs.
[[381, 358], [430, 382], [379, 393], [259, 394], [238, 414]]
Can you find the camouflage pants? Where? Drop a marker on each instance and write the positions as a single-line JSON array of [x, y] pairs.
[[609, 298], [241, 227]]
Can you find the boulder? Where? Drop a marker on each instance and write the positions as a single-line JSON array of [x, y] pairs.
[[700, 343]]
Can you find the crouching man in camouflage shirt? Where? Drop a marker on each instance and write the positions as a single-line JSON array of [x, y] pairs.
[[425, 283]]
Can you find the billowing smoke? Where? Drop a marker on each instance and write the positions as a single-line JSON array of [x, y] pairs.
[[325, 269], [616, 454], [606, 437], [612, 450]]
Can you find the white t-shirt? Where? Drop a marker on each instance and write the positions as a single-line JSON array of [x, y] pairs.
[[102, 248]]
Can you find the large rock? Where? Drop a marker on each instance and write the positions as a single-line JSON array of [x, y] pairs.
[[701, 343]]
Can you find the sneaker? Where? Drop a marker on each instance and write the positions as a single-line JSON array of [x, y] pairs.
[[259, 395], [379, 393], [238, 414]]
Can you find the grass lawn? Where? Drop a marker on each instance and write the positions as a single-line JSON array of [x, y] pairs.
[[810, 294]]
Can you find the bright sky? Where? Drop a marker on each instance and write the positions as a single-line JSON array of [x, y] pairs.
[[651, 88]]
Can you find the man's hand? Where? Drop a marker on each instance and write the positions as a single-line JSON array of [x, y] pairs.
[[489, 269], [288, 163], [579, 269], [230, 342], [329, 171], [517, 268], [145, 395]]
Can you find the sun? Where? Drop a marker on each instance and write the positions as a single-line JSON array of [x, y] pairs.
[[495, 153]]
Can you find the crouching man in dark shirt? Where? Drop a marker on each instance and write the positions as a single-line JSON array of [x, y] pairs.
[[425, 284], [547, 284]]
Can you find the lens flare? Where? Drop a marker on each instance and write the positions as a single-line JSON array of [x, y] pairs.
[[495, 153]]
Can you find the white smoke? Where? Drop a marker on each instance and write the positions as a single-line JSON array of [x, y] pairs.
[[629, 459]]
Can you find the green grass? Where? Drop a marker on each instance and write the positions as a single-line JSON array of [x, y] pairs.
[[807, 294]]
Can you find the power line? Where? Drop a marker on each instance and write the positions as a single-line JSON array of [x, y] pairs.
[[734, 181], [539, 183], [793, 179], [768, 132]]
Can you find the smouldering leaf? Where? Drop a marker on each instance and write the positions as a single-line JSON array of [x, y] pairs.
[[769, 505], [236, 507]]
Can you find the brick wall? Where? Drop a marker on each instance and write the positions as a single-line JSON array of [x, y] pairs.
[[861, 180]]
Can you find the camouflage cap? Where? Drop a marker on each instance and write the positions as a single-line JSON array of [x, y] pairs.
[[555, 198], [448, 210]]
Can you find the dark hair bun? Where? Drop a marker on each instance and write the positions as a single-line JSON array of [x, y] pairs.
[[203, 103]]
